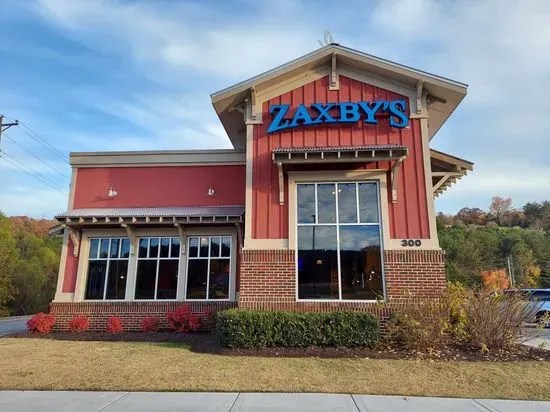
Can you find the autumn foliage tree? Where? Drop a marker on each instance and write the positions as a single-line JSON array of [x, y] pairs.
[[495, 280]]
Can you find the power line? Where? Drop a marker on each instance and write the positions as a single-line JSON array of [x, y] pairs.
[[36, 157], [29, 171], [35, 136]]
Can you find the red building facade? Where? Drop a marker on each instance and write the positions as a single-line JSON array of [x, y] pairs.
[[326, 202]]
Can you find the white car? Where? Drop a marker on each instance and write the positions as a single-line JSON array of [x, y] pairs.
[[540, 299]]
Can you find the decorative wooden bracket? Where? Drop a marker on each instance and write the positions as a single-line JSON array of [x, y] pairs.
[[394, 175], [131, 233], [419, 90], [75, 236], [240, 236], [334, 80], [181, 234], [281, 183]]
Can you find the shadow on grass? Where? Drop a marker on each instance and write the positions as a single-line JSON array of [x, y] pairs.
[[172, 345]]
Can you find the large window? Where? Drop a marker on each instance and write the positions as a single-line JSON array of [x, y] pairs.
[[107, 268], [339, 253], [208, 267], [157, 268]]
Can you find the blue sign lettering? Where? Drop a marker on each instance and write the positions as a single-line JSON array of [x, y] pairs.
[[346, 112]]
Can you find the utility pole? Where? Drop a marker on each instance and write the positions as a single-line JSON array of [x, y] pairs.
[[5, 126], [510, 273]]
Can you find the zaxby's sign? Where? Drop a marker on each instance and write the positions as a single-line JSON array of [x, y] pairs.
[[348, 112]]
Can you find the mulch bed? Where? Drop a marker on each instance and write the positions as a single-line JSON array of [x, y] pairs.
[[203, 342]]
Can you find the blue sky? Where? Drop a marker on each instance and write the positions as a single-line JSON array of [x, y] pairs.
[[134, 75]]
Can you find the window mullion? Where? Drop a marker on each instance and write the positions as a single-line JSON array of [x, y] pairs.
[[157, 272], [338, 242], [208, 269]]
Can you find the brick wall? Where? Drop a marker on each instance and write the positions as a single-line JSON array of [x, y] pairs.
[[419, 273], [268, 281], [131, 313]]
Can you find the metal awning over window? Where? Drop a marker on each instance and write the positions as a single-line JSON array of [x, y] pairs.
[[130, 218], [340, 154], [373, 153], [195, 214]]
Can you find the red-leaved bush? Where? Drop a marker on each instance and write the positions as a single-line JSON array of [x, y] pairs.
[[80, 323], [150, 324], [183, 319], [41, 323], [114, 325]]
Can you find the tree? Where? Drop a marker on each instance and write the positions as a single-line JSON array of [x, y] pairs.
[[472, 216], [35, 275], [495, 280], [500, 208], [537, 215], [8, 259]]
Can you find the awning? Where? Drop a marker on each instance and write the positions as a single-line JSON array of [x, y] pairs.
[[191, 214], [340, 154], [447, 169], [372, 153], [130, 218]]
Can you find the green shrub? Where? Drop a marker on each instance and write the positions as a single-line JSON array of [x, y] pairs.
[[238, 328]]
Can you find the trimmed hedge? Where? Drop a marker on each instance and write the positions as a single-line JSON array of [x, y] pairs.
[[238, 328]]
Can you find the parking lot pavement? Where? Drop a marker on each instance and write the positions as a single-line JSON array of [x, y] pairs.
[[538, 337], [13, 325], [26, 401]]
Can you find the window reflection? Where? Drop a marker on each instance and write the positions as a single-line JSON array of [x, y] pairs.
[[347, 203], [360, 262], [317, 263], [368, 202], [306, 203], [326, 203], [339, 256]]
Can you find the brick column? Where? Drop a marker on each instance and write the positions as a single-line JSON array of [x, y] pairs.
[[419, 273], [267, 279]]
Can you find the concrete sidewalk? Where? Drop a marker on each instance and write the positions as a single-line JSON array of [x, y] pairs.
[[26, 401]]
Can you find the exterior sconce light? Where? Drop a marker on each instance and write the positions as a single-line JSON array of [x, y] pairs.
[[211, 191], [112, 192]]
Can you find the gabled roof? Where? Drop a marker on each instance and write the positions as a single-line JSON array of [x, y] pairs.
[[447, 93]]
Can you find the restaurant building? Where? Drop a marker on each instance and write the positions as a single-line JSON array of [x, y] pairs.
[[326, 201]]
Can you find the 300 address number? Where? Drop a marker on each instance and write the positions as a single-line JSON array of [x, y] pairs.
[[411, 242]]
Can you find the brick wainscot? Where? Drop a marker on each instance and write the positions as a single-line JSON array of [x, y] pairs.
[[268, 281]]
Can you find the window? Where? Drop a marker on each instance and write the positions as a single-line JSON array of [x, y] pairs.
[[208, 267], [107, 268], [157, 268], [338, 235]]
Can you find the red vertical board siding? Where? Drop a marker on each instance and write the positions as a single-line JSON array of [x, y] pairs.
[[160, 186], [71, 267], [408, 217]]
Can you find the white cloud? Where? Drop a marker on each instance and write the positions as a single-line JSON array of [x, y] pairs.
[[183, 35], [191, 49]]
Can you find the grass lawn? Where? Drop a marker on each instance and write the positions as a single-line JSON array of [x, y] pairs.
[[144, 366]]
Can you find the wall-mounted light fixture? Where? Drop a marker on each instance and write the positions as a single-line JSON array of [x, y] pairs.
[[112, 192], [211, 191]]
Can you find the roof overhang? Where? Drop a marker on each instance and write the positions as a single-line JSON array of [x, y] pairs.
[[443, 94], [158, 158], [446, 170]]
